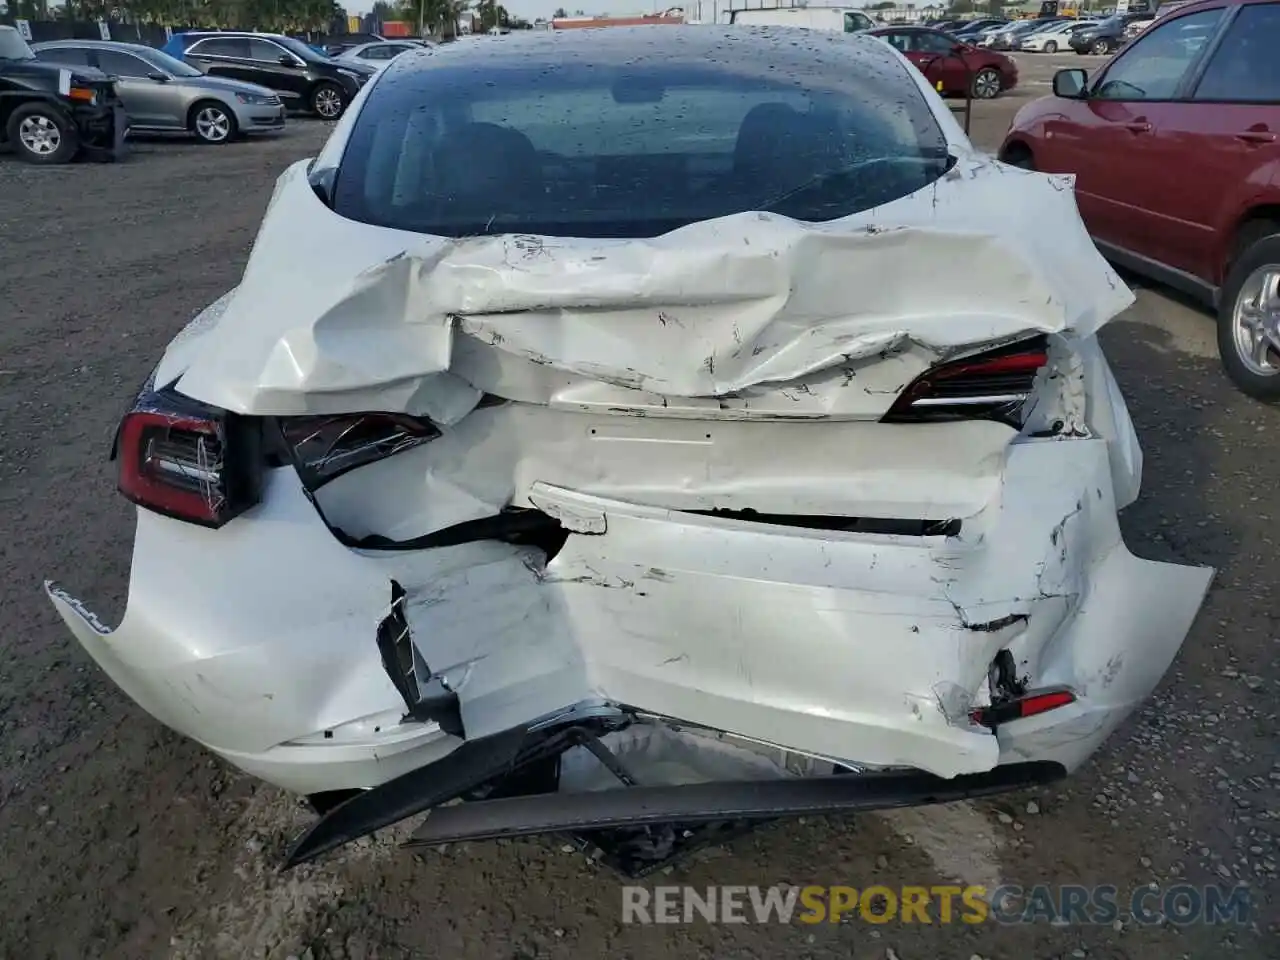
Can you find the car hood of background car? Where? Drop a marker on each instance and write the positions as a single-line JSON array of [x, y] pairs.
[[336, 316]]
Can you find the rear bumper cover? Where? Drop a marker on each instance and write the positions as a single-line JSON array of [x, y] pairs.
[[259, 639]]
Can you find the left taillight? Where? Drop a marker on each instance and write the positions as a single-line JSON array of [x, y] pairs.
[[995, 385], [187, 460]]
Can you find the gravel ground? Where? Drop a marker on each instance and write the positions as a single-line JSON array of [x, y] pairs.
[[119, 839]]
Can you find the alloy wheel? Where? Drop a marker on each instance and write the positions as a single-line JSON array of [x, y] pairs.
[[1255, 322], [213, 125], [986, 85], [39, 135], [328, 103]]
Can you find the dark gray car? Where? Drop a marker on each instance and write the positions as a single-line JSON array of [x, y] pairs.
[[162, 94]]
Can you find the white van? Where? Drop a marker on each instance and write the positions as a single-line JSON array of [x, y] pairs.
[[834, 19]]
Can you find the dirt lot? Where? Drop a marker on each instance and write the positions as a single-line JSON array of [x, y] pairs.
[[118, 839]]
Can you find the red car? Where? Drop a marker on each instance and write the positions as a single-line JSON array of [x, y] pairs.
[[953, 63], [1175, 144]]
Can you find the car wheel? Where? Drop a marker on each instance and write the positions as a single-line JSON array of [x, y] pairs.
[[212, 122], [1099, 48], [1050, 46], [328, 101], [41, 133], [986, 84], [1249, 320]]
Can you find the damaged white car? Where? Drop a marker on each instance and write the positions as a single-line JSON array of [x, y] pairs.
[[642, 434]]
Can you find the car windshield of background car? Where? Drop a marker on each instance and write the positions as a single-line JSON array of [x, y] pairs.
[[1246, 66], [170, 65], [299, 49], [13, 47], [1154, 66]]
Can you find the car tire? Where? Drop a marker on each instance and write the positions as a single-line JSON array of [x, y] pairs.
[[212, 122], [1254, 279], [328, 101], [1100, 48], [1050, 46], [41, 133], [987, 84]]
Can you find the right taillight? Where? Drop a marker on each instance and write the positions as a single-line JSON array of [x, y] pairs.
[[994, 385], [325, 447]]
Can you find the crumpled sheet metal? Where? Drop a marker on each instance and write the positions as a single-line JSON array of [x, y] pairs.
[[337, 316]]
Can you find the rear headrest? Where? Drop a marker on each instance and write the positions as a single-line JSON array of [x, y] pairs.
[[486, 160], [777, 142]]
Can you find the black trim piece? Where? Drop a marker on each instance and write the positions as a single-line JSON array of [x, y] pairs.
[[870, 525], [1179, 280], [703, 802], [467, 768], [395, 645], [512, 521], [475, 764]]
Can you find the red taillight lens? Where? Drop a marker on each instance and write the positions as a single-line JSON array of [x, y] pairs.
[[325, 447], [1028, 705], [187, 460], [990, 386]]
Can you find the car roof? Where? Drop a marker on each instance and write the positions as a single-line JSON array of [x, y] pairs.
[[203, 34], [96, 45], [709, 47]]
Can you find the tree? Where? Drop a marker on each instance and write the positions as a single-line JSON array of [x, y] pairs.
[[962, 6]]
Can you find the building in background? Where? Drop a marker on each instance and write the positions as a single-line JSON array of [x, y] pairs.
[[672, 16]]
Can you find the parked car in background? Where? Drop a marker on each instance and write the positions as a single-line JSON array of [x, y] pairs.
[[163, 94], [968, 29], [51, 114], [303, 78], [1175, 144], [455, 544], [1012, 36], [377, 53], [1137, 25], [339, 45], [1105, 36], [958, 66], [1054, 38]]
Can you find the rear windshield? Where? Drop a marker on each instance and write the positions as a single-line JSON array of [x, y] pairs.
[[582, 151]]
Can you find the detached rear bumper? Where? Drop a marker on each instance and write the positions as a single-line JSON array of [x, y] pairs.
[[103, 130]]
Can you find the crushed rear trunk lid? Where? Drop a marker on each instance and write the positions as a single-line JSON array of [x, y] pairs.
[[336, 316]]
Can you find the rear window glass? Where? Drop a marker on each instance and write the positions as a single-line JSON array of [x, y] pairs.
[[595, 151]]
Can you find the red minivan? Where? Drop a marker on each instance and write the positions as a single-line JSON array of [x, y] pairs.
[[953, 63], [1175, 145]]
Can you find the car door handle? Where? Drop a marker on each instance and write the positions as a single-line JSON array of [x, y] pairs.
[[1256, 136], [1138, 126]]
